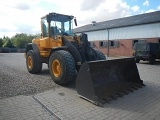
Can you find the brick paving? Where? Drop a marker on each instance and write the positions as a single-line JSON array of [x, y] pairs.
[[23, 108]]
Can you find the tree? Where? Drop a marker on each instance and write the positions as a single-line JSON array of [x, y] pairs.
[[1, 42], [8, 43], [20, 40]]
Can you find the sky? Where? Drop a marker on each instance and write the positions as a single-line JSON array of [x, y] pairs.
[[23, 16]]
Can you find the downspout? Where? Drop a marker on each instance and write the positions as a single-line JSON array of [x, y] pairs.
[[108, 44]]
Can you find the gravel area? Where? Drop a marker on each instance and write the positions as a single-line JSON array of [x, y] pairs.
[[16, 80]]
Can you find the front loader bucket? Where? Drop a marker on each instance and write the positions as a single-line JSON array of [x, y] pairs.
[[98, 81]]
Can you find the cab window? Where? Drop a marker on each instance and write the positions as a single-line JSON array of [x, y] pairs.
[[44, 27]]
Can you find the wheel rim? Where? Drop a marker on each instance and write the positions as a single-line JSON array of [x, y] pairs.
[[56, 68], [29, 60]]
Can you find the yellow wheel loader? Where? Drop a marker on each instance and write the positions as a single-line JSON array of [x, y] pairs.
[[70, 57]]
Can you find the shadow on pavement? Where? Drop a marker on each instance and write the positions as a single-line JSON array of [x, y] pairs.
[[70, 85], [44, 72]]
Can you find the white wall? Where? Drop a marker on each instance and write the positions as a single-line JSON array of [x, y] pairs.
[[131, 32], [136, 32]]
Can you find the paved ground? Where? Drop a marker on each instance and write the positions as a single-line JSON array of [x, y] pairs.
[[64, 103], [23, 108]]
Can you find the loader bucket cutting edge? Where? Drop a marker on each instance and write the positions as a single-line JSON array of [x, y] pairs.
[[97, 81]]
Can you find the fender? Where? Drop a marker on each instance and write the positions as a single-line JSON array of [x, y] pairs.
[[58, 48], [72, 50], [34, 47]]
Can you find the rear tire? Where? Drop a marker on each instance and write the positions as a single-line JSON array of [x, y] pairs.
[[34, 65], [62, 67], [100, 55], [152, 60]]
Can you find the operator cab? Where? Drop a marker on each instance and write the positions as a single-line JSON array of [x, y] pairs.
[[57, 24]]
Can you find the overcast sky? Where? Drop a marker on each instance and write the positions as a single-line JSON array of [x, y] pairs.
[[23, 16]]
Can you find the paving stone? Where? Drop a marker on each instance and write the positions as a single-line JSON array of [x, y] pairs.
[[23, 111]]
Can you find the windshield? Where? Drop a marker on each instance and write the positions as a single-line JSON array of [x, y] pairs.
[[64, 28], [142, 47]]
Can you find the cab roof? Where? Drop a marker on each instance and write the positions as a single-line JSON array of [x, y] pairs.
[[59, 17]]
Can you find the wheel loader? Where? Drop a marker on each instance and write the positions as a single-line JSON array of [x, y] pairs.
[[70, 57]]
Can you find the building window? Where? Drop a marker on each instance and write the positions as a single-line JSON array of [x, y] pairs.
[[112, 43], [101, 44]]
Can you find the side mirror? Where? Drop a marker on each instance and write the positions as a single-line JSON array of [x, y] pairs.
[[75, 21]]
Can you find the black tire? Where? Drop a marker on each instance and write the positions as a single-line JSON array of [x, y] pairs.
[[34, 65], [100, 55], [62, 67], [137, 60], [152, 60]]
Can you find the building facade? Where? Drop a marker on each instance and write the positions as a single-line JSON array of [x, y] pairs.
[[118, 47], [117, 37]]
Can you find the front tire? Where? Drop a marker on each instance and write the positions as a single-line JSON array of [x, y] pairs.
[[34, 65], [62, 67]]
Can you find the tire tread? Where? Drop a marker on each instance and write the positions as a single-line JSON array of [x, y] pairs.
[[70, 66]]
